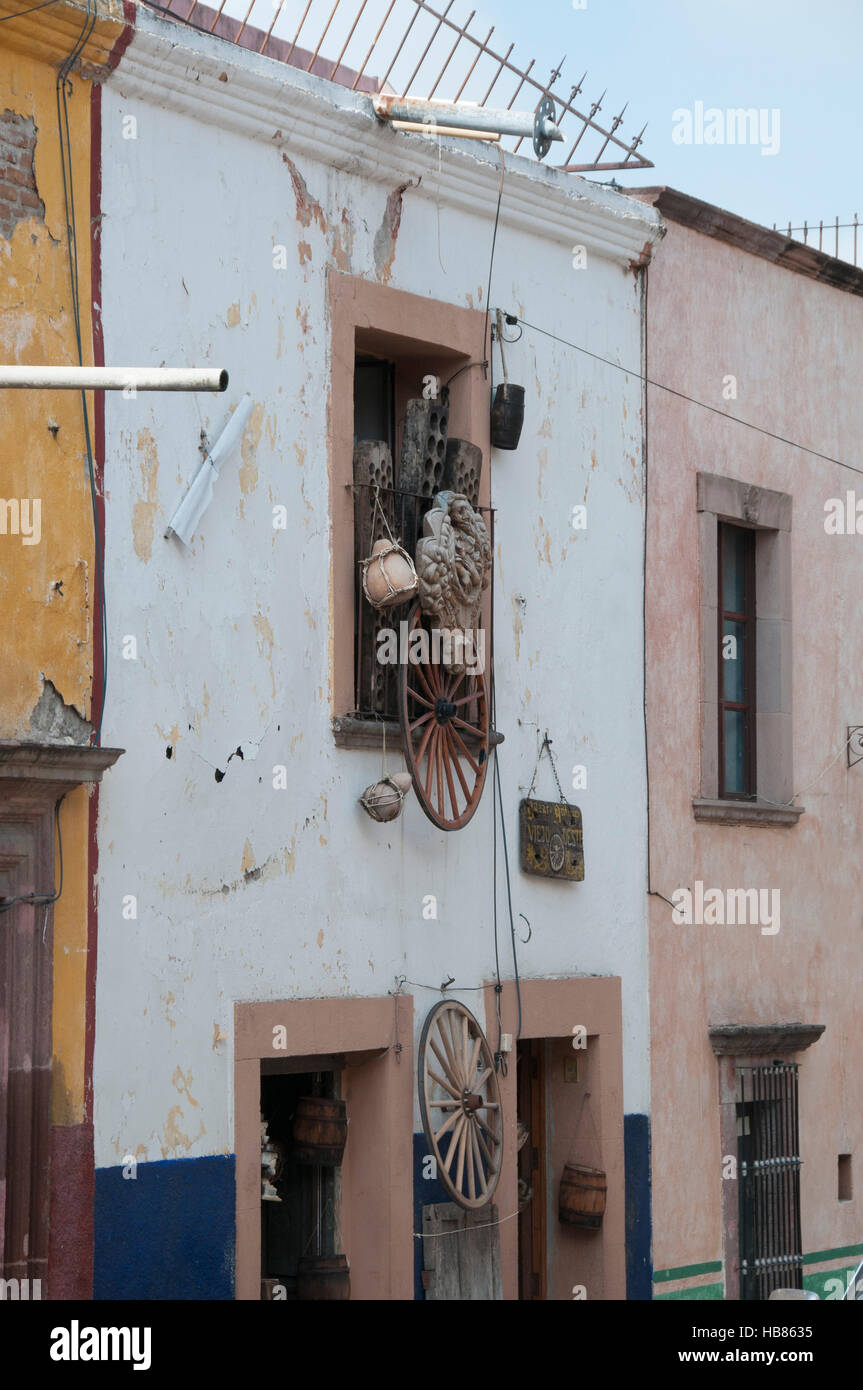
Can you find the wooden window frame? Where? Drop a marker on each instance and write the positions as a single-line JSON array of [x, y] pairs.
[[748, 705]]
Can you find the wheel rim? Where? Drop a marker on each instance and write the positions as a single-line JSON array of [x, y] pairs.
[[444, 721], [460, 1104]]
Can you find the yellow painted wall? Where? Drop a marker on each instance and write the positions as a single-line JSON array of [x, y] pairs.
[[46, 630]]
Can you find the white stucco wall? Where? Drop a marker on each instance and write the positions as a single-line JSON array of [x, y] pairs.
[[232, 635]]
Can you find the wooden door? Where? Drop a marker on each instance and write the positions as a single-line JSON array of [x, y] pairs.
[[530, 1090]]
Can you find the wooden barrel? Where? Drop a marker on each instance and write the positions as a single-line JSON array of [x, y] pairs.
[[323, 1278], [319, 1131], [507, 415], [581, 1201]]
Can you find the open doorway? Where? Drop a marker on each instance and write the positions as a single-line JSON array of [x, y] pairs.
[[301, 1149]]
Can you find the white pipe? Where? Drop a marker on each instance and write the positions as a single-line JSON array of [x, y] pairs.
[[114, 378], [462, 116]]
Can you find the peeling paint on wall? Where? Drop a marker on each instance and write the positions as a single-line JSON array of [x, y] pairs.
[[19, 196], [248, 471], [387, 233], [53, 721], [308, 208], [144, 514]]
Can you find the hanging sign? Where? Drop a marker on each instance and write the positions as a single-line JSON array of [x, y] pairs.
[[551, 841]]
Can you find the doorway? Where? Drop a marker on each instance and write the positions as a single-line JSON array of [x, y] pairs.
[[531, 1141]]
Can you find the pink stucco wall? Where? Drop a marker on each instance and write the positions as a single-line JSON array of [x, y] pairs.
[[796, 349]]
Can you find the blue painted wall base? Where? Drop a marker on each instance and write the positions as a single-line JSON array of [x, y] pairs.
[[168, 1233], [639, 1232]]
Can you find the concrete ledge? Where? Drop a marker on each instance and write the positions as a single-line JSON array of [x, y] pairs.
[[745, 812], [351, 732], [757, 506], [752, 1039]]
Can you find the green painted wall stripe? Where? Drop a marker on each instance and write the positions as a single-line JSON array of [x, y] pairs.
[[664, 1276], [699, 1292], [839, 1253]]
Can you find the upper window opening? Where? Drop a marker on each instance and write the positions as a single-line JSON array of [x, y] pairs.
[[736, 662]]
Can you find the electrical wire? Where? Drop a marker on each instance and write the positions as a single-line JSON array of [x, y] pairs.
[[681, 395], [508, 895], [465, 1230], [435, 989], [42, 899], [485, 342], [651, 892], [32, 10], [72, 251]]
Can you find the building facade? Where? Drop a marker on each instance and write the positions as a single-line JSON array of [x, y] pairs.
[[51, 667], [754, 692], [261, 939]]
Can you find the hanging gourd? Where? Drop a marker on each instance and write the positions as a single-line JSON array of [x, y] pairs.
[[389, 577], [383, 800]]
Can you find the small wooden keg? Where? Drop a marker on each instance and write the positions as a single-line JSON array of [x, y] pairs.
[[319, 1131], [581, 1201], [323, 1278]]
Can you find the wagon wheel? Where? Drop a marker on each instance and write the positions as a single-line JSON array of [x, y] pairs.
[[460, 1104], [444, 719]]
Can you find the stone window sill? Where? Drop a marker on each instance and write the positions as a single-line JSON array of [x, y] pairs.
[[716, 812], [350, 732]]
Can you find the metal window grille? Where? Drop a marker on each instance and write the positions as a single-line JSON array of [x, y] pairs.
[[771, 1255], [376, 684]]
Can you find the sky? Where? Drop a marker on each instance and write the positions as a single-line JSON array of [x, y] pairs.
[[804, 60], [797, 63]]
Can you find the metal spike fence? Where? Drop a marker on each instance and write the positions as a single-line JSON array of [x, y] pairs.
[[844, 248], [412, 48]]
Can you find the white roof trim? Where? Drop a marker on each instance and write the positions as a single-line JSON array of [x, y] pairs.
[[180, 68]]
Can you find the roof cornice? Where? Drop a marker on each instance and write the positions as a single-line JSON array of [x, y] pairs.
[[230, 87], [750, 236], [51, 34]]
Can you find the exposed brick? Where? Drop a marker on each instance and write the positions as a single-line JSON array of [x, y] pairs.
[[19, 196]]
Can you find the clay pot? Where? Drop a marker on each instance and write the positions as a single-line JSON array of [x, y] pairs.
[[389, 576], [383, 800]]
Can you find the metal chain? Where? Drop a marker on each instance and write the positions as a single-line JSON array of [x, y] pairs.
[[546, 744]]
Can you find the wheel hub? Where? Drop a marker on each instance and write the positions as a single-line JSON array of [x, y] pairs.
[[471, 1102], [444, 710]]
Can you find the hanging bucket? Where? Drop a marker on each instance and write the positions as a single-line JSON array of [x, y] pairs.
[[319, 1131], [323, 1278], [581, 1201], [507, 416]]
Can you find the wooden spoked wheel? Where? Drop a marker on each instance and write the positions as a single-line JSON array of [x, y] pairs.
[[445, 726], [460, 1104]]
